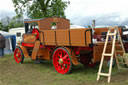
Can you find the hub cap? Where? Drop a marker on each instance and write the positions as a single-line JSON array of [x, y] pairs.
[[61, 61]]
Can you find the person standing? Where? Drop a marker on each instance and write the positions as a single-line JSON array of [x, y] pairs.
[[2, 45]]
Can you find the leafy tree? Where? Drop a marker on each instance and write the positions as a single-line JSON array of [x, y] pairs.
[[1, 26], [89, 26], [58, 8], [6, 20], [40, 8], [5, 28], [16, 22], [5, 23], [8, 23]]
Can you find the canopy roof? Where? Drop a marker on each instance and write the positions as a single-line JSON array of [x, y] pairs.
[[43, 19], [6, 34], [46, 23]]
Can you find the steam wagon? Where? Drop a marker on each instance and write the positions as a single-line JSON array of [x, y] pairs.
[[52, 39]]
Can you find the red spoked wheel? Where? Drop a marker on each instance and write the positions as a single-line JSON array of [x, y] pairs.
[[62, 60], [18, 55], [36, 32]]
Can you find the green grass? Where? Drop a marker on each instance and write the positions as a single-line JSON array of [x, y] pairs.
[[30, 73]]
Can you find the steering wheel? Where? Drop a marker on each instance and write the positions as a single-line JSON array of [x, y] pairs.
[[36, 32]]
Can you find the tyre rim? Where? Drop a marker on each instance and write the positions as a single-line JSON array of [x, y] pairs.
[[17, 55], [61, 61]]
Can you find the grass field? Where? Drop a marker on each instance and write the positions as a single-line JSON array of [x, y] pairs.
[[30, 73]]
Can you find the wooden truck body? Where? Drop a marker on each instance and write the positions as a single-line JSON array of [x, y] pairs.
[[62, 45]]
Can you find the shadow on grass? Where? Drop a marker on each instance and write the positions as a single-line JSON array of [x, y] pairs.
[[75, 69], [82, 69], [43, 64]]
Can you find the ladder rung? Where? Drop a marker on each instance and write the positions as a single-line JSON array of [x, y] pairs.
[[122, 68], [118, 45], [112, 28], [104, 74], [119, 51], [111, 34], [122, 63], [107, 54], [121, 57]]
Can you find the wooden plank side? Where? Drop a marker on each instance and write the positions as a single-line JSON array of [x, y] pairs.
[[66, 37], [29, 38], [25, 52], [49, 37], [42, 37], [61, 23], [97, 52], [88, 38], [77, 37], [62, 37], [98, 31], [80, 37], [44, 54], [35, 49]]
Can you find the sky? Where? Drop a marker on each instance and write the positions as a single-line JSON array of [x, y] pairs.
[[6, 8], [82, 12]]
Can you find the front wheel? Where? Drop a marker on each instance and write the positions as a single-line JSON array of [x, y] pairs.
[[18, 55], [62, 60]]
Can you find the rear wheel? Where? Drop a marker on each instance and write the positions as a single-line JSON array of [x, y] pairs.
[[62, 60], [18, 55]]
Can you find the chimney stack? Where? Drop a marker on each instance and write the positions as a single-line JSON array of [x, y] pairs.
[[93, 23]]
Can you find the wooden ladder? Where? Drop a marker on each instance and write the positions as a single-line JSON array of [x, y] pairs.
[[120, 54], [112, 32]]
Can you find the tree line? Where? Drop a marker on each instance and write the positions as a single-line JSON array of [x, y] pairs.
[[34, 9], [11, 22]]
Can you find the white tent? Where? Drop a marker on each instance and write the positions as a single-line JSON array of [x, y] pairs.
[[10, 42], [18, 32], [76, 27]]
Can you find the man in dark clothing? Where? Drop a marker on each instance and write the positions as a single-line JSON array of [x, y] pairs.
[[2, 45]]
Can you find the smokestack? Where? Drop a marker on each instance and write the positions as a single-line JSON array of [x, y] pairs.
[[93, 26], [93, 23]]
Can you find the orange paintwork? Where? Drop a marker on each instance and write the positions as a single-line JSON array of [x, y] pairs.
[[44, 54], [45, 24], [73, 56], [25, 52], [98, 48], [29, 38], [66, 37]]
